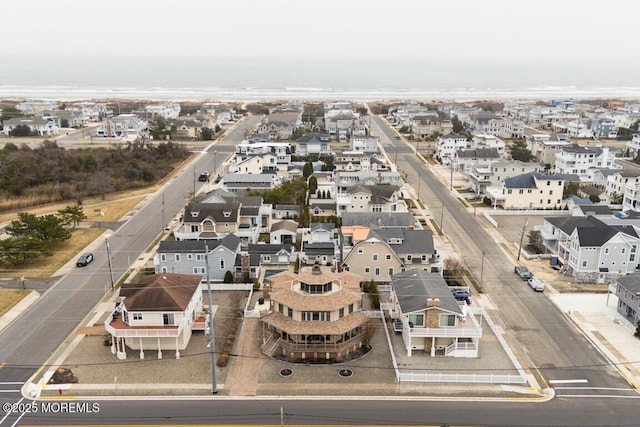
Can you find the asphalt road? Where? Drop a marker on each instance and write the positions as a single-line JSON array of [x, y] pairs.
[[547, 342], [595, 412]]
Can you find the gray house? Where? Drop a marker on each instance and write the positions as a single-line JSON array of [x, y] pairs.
[[189, 257], [265, 254], [628, 293]]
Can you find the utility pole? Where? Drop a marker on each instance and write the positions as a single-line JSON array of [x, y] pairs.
[[212, 342], [451, 180], [163, 220], [441, 219], [194, 181], [106, 242], [522, 238]]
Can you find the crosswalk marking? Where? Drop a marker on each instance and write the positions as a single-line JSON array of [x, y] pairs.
[[583, 381]]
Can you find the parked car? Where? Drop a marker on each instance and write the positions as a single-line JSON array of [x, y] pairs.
[[536, 284], [204, 177], [523, 272], [397, 325], [84, 260], [462, 295]]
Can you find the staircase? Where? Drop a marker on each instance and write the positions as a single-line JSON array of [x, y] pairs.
[[269, 348]]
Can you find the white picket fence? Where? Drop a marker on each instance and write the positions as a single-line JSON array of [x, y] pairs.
[[426, 377]]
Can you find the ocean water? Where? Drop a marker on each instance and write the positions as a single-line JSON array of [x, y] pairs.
[[200, 78]]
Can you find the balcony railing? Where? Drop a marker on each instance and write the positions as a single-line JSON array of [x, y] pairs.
[[320, 346]]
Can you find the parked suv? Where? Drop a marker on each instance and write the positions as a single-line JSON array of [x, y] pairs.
[[84, 260], [204, 177], [523, 272], [462, 295]]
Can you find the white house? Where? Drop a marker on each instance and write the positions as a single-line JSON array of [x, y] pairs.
[[581, 160], [167, 111], [36, 125], [364, 143], [158, 312], [447, 145], [532, 190]]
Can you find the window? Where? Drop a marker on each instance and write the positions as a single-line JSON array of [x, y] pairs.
[[521, 191], [350, 308], [290, 312], [280, 308], [447, 320], [163, 257], [341, 313], [163, 270], [221, 263], [377, 271], [584, 263], [137, 316], [167, 319], [606, 251], [374, 257], [360, 250], [417, 320], [409, 257], [177, 256], [200, 257], [623, 250], [388, 257], [367, 270], [199, 270], [189, 256]]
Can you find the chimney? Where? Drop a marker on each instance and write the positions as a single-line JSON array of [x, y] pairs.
[[433, 302], [315, 270]]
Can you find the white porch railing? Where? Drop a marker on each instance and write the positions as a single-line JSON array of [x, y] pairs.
[[446, 332], [144, 332]]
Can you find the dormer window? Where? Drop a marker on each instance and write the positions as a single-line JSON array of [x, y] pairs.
[[226, 214], [194, 214]]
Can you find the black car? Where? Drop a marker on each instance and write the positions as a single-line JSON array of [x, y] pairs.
[[84, 260], [204, 177]]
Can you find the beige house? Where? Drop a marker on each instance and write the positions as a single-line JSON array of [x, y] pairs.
[[156, 313], [432, 320], [529, 191], [373, 259], [314, 316], [208, 221]]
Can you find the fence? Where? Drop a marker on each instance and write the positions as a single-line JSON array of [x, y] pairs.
[[460, 378]]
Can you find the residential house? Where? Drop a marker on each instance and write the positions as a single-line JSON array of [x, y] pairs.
[[346, 179], [482, 178], [313, 143], [581, 160], [322, 208], [157, 312], [633, 146], [237, 182], [276, 130], [628, 293], [322, 232], [480, 140], [123, 126], [447, 145], [68, 118], [263, 255], [386, 252], [545, 147], [425, 126], [466, 160], [532, 190], [363, 143], [286, 211], [255, 215], [319, 253], [37, 126], [589, 249], [189, 257], [432, 320], [315, 316], [167, 111], [370, 198], [284, 231], [381, 220], [205, 221], [187, 128]]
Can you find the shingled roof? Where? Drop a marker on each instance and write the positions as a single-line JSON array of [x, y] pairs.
[[160, 292], [413, 287]]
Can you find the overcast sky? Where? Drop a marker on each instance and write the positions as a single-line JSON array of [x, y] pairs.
[[584, 30]]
